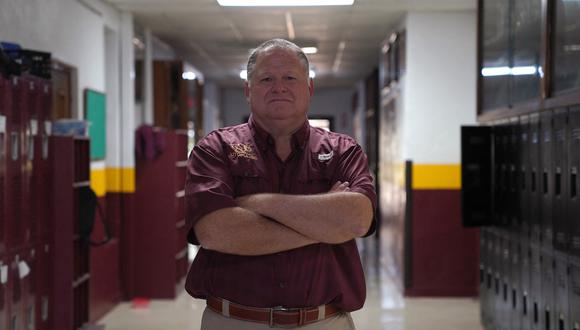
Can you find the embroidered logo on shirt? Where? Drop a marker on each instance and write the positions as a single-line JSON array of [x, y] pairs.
[[323, 157], [243, 150]]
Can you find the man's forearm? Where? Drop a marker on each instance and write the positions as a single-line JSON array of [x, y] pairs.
[[329, 218], [240, 231]]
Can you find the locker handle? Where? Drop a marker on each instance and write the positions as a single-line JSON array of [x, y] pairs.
[[533, 181], [558, 187], [572, 185], [545, 182]]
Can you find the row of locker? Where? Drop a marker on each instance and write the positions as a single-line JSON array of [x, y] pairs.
[[525, 284], [44, 261], [25, 296], [524, 173], [25, 103]]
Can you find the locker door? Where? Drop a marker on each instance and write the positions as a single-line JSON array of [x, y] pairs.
[[548, 263], [562, 288], [514, 303], [525, 281], [4, 293], [44, 297], [536, 308], [574, 293], [573, 204], [524, 175], [547, 176], [476, 162], [483, 260], [535, 178], [513, 171], [501, 184], [5, 108], [560, 170]]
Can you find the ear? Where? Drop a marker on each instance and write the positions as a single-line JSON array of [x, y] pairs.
[[247, 90], [311, 86]]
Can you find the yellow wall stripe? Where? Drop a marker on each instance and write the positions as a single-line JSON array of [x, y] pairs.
[[114, 180], [436, 176]]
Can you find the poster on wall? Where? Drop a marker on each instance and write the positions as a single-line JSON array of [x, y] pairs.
[[95, 114]]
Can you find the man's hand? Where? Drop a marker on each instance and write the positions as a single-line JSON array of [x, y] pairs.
[[339, 187]]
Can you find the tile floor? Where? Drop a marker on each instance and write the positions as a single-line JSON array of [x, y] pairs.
[[385, 309]]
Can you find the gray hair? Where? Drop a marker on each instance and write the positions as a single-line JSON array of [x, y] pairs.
[[276, 44]]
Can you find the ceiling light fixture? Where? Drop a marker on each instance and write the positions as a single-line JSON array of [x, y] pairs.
[[310, 50], [507, 71], [244, 74], [188, 75], [290, 26], [283, 3], [311, 73]]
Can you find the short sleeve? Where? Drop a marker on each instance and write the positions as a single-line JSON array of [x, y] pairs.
[[353, 167], [208, 183]]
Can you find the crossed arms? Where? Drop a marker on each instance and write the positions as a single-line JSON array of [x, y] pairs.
[[270, 223]]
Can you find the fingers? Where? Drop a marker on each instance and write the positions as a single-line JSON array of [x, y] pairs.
[[340, 186]]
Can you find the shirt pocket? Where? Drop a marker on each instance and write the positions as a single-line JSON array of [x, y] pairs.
[[248, 180]]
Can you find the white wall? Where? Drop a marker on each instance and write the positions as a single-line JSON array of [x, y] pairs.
[[328, 102], [73, 33], [440, 87]]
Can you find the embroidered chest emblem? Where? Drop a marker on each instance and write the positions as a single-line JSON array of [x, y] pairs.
[[325, 157], [243, 150]]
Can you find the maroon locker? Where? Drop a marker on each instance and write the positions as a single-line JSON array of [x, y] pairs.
[[42, 281], [4, 290], [26, 265], [62, 216], [5, 109], [14, 182], [15, 295], [27, 155]]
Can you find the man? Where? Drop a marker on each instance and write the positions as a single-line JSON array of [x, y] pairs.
[[276, 205]]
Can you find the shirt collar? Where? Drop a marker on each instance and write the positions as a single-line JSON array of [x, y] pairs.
[[264, 140]]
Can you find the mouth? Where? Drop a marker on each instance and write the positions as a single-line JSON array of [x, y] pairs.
[[279, 100]]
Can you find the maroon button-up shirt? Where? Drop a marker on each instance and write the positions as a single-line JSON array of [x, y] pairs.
[[241, 160]]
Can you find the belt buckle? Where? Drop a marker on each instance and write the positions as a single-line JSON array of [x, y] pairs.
[[276, 309]]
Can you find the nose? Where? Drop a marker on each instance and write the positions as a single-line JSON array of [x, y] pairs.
[[279, 86]]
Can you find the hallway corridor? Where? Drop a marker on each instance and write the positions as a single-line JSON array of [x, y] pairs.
[[385, 307]]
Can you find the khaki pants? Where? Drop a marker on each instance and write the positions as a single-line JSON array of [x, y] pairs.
[[214, 321]]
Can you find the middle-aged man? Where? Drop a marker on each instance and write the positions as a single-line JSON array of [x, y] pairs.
[[275, 205]]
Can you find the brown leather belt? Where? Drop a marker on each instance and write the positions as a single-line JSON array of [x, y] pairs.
[[274, 317]]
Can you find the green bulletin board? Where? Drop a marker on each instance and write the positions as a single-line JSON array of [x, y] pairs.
[[95, 114]]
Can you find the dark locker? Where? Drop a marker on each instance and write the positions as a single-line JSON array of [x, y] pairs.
[[27, 158], [514, 290], [512, 175], [548, 263], [489, 277], [483, 260], [560, 180], [574, 293], [476, 162], [500, 173], [502, 316], [562, 288], [535, 178], [524, 175], [5, 110], [536, 307], [547, 177], [573, 180], [525, 303]]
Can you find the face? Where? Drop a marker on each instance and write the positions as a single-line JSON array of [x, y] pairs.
[[279, 90]]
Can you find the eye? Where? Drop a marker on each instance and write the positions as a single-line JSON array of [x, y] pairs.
[[266, 79], [290, 78]]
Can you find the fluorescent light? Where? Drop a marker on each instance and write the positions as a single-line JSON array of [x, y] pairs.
[[290, 26], [284, 3], [188, 75], [506, 71], [244, 74], [311, 73], [310, 50]]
